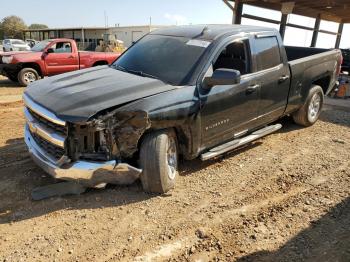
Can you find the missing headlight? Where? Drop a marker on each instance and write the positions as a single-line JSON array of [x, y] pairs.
[[89, 144]]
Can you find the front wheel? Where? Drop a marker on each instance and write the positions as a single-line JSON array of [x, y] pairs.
[[159, 161], [309, 113], [27, 76]]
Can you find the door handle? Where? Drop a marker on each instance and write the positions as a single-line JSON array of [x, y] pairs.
[[70, 56], [252, 88], [283, 79]]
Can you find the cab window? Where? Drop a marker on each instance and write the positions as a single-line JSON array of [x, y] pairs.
[[268, 53], [235, 56], [62, 47]]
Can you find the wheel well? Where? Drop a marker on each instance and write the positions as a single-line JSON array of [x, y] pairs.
[[99, 63], [323, 82], [181, 137], [34, 66]]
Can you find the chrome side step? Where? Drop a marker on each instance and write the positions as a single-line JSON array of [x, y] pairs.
[[214, 152]]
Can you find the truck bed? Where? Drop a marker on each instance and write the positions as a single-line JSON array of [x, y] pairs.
[[295, 52], [310, 66]]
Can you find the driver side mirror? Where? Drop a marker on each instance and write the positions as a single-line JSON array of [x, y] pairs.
[[50, 51], [223, 76]]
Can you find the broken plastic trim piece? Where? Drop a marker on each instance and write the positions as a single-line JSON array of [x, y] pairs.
[[85, 173], [59, 189]]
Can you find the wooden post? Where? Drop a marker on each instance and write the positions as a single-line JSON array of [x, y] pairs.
[[316, 30], [340, 32], [283, 25], [237, 17]]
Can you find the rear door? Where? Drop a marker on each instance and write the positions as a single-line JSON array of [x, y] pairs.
[[62, 59], [273, 74]]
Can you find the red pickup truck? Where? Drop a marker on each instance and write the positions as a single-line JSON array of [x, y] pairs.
[[50, 57]]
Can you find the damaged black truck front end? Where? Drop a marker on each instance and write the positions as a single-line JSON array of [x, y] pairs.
[[85, 153]]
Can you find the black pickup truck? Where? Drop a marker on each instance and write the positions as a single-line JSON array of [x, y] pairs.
[[184, 91]]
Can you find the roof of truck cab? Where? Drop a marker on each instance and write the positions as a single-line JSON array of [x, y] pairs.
[[209, 32]]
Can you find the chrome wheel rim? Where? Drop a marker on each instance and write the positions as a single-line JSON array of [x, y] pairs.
[[172, 158], [314, 107], [29, 77]]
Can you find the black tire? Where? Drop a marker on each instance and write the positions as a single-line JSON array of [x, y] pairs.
[[27, 76], [3, 49], [309, 113], [158, 176]]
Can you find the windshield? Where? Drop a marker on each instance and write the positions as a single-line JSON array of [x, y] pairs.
[[18, 42], [39, 47], [170, 59]]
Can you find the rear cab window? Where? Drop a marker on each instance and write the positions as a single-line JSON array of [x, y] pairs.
[[268, 53]]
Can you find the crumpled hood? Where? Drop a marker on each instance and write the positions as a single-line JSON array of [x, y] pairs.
[[79, 95]]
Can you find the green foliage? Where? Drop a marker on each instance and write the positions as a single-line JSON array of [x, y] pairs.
[[13, 26], [38, 26], [1, 32]]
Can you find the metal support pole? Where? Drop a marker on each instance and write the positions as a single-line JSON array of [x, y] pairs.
[[283, 25], [238, 12], [83, 38], [316, 30], [340, 32]]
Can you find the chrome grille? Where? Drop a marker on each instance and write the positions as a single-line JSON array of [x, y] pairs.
[[47, 130], [54, 151], [62, 130]]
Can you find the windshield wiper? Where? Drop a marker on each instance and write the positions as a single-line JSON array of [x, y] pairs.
[[139, 73], [135, 72], [118, 67]]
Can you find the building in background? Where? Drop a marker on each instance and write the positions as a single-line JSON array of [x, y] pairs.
[[89, 37]]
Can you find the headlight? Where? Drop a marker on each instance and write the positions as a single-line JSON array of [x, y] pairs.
[[7, 59]]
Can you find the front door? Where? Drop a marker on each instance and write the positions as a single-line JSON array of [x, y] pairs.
[[229, 111], [61, 58]]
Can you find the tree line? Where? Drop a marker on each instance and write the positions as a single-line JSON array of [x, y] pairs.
[[13, 26]]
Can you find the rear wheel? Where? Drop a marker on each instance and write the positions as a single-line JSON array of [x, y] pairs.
[[27, 76], [309, 113], [159, 161]]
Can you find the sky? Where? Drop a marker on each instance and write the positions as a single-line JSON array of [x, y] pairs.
[[83, 13]]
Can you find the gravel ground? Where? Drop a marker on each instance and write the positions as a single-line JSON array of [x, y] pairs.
[[283, 198]]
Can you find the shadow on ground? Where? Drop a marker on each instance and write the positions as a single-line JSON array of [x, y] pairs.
[[327, 239], [19, 176], [5, 82], [336, 115]]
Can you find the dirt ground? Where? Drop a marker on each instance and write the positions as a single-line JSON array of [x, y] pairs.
[[283, 198]]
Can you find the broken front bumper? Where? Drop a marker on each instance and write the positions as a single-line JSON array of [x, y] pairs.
[[84, 172]]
